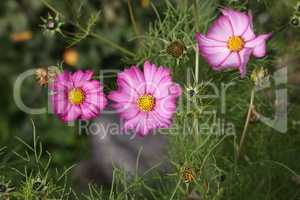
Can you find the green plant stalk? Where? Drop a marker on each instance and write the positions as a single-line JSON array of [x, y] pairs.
[[197, 64], [244, 133], [132, 18], [112, 44]]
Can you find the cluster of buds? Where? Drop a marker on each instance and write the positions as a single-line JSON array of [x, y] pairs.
[[45, 76], [295, 19], [259, 75]]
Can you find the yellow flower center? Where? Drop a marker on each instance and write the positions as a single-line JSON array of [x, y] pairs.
[[146, 103], [76, 96], [235, 43]]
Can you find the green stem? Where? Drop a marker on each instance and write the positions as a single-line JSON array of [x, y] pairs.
[[197, 65], [112, 44], [244, 133], [132, 18]]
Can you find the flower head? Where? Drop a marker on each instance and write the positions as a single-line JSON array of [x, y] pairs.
[[176, 49], [230, 41], [76, 96], [145, 100]]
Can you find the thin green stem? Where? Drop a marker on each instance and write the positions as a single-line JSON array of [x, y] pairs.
[[50, 6], [244, 133], [175, 190], [132, 18], [197, 64], [196, 11], [112, 44]]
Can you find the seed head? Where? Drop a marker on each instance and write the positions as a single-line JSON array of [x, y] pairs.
[[188, 175], [259, 75], [41, 76], [176, 49]]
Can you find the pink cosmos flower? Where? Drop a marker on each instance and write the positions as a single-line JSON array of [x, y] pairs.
[[145, 100], [230, 41], [76, 96]]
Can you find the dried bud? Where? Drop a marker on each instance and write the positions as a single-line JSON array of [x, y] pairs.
[[41, 76], [45, 76], [176, 49], [295, 21], [71, 57], [188, 175], [259, 75]]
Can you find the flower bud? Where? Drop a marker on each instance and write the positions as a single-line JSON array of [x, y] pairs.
[[176, 49]]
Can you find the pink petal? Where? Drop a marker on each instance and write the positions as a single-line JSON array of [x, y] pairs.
[[244, 58], [126, 111], [143, 127], [259, 45], [162, 90], [97, 99], [79, 77], [133, 122], [59, 102], [132, 78], [91, 87], [214, 55], [159, 121], [260, 51], [162, 73], [175, 90], [149, 71], [208, 42], [129, 90], [166, 107], [232, 61], [120, 96], [239, 20], [72, 114], [258, 40], [221, 29], [89, 111], [249, 34], [62, 81]]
